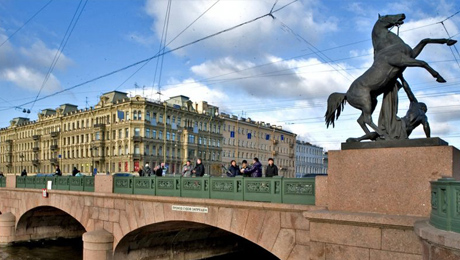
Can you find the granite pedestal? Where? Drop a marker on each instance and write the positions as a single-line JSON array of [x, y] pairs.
[[392, 180]]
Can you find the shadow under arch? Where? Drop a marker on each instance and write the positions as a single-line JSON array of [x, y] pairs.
[[185, 240], [47, 222]]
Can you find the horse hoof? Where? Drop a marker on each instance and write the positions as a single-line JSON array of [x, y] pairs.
[[451, 42], [440, 79], [352, 140]]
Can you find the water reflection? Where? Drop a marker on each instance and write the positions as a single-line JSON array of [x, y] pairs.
[[69, 249]]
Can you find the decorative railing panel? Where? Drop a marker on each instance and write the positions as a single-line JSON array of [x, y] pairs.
[[3, 182], [276, 189], [445, 204]]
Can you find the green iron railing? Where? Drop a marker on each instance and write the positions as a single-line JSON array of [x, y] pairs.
[[2, 182], [445, 204], [276, 189], [84, 183]]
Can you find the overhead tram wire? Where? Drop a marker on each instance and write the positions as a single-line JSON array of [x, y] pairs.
[[177, 36], [144, 60], [160, 60], [22, 26], [65, 39]]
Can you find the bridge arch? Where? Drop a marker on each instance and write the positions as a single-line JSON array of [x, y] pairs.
[[184, 240], [45, 222]]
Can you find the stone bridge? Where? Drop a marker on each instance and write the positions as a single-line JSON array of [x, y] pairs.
[[121, 226]]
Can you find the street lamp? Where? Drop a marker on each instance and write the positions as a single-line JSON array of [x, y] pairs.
[[21, 156], [92, 158]]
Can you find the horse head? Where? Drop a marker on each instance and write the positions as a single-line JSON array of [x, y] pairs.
[[392, 20]]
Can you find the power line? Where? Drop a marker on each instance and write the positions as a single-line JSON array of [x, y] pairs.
[[146, 60], [65, 39], [30, 19], [185, 29]]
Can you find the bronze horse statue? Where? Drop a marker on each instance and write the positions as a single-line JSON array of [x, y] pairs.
[[391, 57]]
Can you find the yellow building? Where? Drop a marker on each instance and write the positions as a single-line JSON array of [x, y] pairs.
[[245, 139], [120, 134]]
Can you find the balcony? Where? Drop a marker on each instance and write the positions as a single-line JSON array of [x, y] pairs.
[[291, 145], [36, 149], [35, 162], [9, 141], [275, 142], [136, 156], [99, 127], [274, 153], [54, 134], [54, 147], [137, 139], [36, 137], [54, 161]]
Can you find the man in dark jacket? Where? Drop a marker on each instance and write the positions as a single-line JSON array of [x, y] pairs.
[[199, 169], [58, 171], [75, 171], [233, 170], [271, 170], [255, 170], [159, 170]]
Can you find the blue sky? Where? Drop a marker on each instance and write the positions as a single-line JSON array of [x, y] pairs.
[[277, 70]]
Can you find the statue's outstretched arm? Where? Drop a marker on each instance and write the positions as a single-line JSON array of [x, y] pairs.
[[407, 89]]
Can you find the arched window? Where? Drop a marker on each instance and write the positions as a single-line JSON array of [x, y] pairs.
[[134, 115]]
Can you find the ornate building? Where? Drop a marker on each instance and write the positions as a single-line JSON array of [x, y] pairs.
[[120, 134], [245, 139], [310, 159]]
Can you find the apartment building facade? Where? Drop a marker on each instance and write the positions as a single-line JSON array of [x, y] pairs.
[[120, 134], [310, 159], [244, 139]]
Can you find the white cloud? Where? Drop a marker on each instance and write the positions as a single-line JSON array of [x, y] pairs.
[[255, 37], [30, 79], [26, 66]]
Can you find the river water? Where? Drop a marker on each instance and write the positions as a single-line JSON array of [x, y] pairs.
[[72, 249], [68, 249]]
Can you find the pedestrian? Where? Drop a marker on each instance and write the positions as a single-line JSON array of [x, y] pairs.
[[272, 169], [75, 171], [255, 170], [199, 168], [141, 172], [233, 170], [187, 169], [58, 171], [159, 171], [244, 166], [24, 172], [147, 170]]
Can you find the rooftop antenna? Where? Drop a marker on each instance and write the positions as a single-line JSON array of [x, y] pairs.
[[86, 102]]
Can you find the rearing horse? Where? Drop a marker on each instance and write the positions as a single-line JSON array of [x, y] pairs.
[[391, 57]]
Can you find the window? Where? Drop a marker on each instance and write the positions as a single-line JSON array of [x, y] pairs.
[[136, 149], [168, 135], [147, 132], [139, 115], [160, 134], [160, 119], [168, 120], [134, 115], [174, 136], [126, 132], [191, 138], [147, 116], [120, 134], [127, 115], [178, 121], [154, 133]]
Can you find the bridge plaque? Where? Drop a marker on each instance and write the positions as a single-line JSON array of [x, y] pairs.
[[190, 209]]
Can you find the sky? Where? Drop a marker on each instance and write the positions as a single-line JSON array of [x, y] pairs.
[[278, 69]]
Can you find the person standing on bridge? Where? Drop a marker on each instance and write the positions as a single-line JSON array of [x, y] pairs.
[[199, 168], [58, 171], [255, 170], [187, 169], [272, 169], [24, 172]]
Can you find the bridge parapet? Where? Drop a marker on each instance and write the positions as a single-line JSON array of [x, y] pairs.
[[276, 189]]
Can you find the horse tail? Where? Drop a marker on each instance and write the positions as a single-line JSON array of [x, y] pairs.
[[335, 102]]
